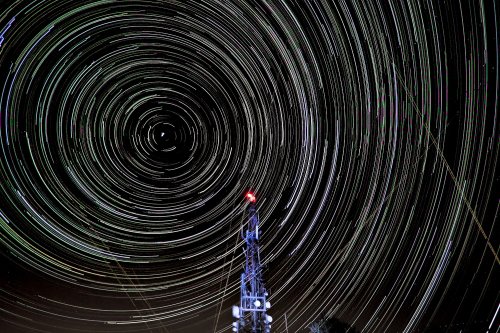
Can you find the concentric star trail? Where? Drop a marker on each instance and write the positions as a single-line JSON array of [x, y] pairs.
[[130, 131]]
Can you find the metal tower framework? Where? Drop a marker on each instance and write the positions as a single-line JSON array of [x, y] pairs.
[[251, 315]]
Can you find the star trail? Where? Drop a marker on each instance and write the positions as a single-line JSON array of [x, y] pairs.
[[131, 131]]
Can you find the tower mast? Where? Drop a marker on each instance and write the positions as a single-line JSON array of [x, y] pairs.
[[251, 315]]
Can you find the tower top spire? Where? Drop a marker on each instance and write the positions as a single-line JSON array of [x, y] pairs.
[[251, 197]]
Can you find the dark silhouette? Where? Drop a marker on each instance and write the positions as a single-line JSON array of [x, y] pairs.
[[331, 325]]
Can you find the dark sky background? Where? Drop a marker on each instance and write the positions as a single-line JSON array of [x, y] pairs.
[[131, 130]]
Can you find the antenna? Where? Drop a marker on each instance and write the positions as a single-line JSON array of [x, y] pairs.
[[251, 315]]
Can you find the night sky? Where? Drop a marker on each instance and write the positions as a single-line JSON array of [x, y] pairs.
[[130, 132]]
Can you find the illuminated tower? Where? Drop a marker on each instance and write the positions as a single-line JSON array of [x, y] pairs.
[[251, 314]]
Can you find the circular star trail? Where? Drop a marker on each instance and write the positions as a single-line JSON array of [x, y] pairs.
[[130, 132]]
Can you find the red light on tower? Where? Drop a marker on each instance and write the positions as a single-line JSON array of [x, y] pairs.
[[251, 197]]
